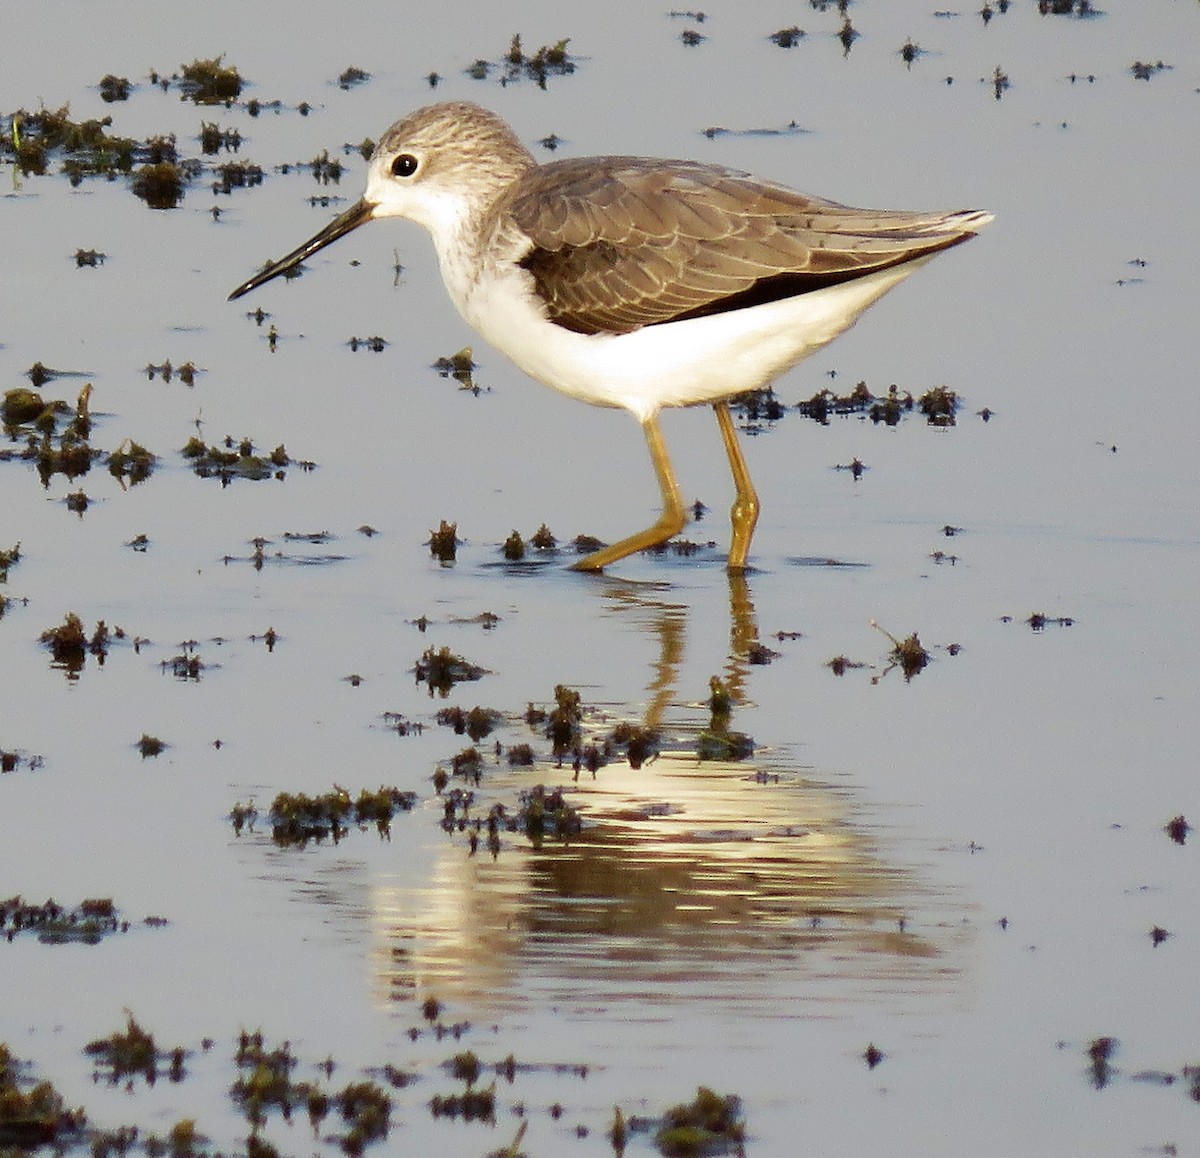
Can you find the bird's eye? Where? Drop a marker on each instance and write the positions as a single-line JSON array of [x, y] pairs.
[[404, 165]]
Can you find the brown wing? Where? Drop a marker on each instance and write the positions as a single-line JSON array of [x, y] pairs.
[[622, 242]]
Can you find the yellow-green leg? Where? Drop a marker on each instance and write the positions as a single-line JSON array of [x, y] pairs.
[[670, 522], [744, 512]]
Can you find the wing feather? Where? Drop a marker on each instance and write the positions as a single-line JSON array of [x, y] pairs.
[[618, 243]]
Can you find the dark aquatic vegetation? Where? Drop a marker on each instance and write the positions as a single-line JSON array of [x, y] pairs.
[[443, 543], [640, 744], [718, 741], [53, 924], [297, 818], [514, 547], [477, 723], [542, 539], [471, 1105], [547, 61], [888, 409], [209, 82], [461, 367], [134, 1053], [160, 185], [711, 1123], [847, 34], [1143, 70], [35, 1116], [1039, 621], [131, 462], [236, 460], [243, 816], [1083, 9], [938, 405], [23, 407], [352, 77], [67, 642], [187, 372], [1100, 1052], [214, 139], [546, 812], [237, 175], [564, 723], [787, 37], [114, 88], [150, 746], [908, 654], [1177, 828], [441, 669]]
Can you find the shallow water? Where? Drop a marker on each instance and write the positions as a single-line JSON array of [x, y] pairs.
[[962, 869]]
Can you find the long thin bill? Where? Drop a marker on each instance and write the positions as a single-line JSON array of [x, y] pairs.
[[358, 214]]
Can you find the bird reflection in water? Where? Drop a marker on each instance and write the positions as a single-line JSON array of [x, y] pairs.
[[746, 882]]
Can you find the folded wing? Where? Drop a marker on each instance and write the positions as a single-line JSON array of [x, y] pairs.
[[620, 243]]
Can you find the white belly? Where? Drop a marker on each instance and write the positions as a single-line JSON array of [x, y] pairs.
[[699, 360]]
